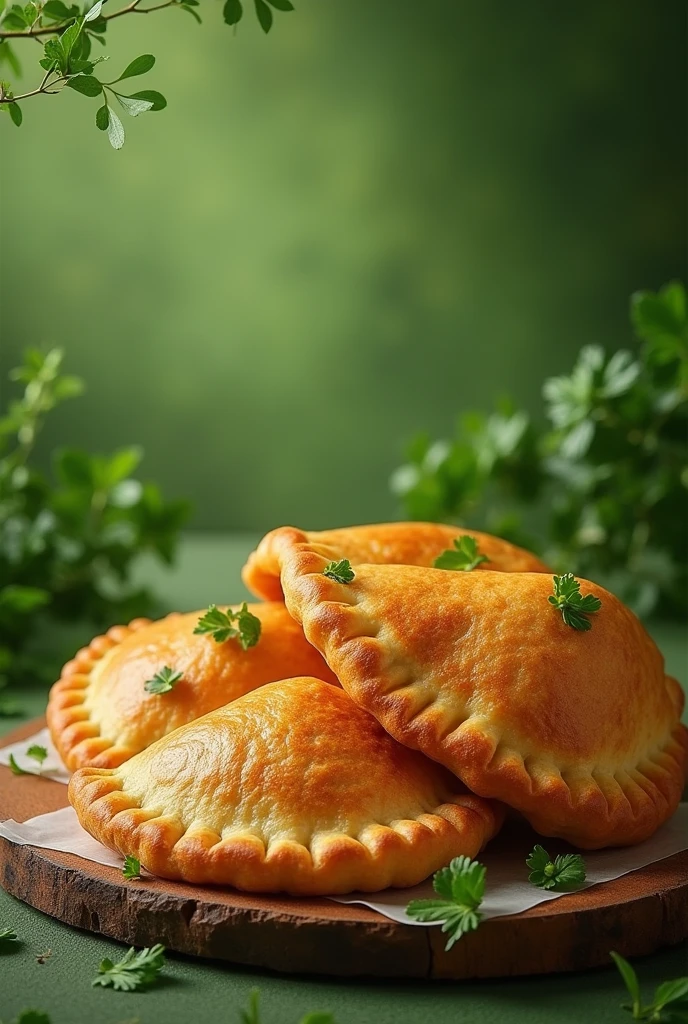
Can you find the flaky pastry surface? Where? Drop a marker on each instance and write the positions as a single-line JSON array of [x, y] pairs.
[[579, 731], [383, 543], [100, 714], [291, 788]]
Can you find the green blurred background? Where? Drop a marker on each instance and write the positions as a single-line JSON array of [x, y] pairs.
[[379, 215]]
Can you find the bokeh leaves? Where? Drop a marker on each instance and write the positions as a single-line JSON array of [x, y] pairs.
[[601, 490]]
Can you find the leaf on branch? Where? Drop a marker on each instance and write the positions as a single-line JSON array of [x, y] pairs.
[[156, 99], [139, 66], [281, 5], [134, 107], [57, 11], [87, 85], [264, 15], [115, 129], [233, 12], [102, 117], [16, 114], [94, 12], [192, 12]]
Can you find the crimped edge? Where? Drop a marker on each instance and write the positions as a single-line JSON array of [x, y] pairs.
[[77, 738], [398, 854]]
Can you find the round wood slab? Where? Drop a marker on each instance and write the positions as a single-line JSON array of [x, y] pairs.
[[635, 914]]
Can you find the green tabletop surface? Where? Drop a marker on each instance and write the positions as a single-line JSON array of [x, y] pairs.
[[190, 991]]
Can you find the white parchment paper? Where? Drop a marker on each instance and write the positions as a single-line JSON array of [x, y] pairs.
[[508, 890]]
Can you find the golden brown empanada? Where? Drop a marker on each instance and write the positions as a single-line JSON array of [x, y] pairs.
[[290, 788], [577, 730], [100, 714], [385, 544]]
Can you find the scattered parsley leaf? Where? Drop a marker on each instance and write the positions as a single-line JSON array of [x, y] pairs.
[[340, 572], [564, 872], [229, 625], [133, 971], [464, 558], [8, 939], [32, 1017], [461, 887], [163, 681], [37, 753], [17, 769], [42, 958], [670, 994], [574, 607], [252, 1014], [132, 868]]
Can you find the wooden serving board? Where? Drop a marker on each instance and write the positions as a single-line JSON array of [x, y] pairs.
[[635, 914]]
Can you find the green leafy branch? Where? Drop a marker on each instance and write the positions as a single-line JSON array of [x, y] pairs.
[[67, 60], [599, 489], [68, 540]]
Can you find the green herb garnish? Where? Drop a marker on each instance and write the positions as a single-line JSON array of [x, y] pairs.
[[132, 868], [32, 1017], [340, 572], [8, 939], [36, 753], [229, 625], [564, 872], [463, 558], [574, 607], [163, 681], [133, 971], [461, 887], [670, 1004], [252, 1014]]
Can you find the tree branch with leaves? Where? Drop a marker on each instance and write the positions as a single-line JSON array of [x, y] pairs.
[[68, 35]]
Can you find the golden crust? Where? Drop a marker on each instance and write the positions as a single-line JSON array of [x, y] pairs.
[[382, 544], [291, 788], [579, 731], [100, 714]]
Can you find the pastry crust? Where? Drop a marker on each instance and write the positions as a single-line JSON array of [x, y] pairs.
[[291, 788], [100, 714], [384, 544], [579, 731]]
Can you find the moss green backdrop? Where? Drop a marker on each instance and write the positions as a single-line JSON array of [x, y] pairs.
[[379, 215]]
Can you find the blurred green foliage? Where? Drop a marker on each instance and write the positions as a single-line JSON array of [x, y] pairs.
[[68, 541], [602, 491], [374, 217]]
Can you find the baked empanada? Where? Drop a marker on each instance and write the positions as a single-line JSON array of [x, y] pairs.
[[291, 788], [385, 544], [579, 731], [100, 714]]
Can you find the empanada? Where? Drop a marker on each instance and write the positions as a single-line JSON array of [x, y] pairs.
[[387, 544], [100, 714], [579, 731], [291, 788]]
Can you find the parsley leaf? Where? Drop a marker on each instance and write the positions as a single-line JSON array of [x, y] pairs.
[[132, 868], [163, 681], [133, 971], [37, 753], [8, 939], [221, 625], [252, 1014], [574, 607], [17, 769], [340, 572], [32, 1017], [564, 872], [461, 887], [670, 1003], [464, 558]]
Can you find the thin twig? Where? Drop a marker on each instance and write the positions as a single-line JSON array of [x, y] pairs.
[[132, 8]]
